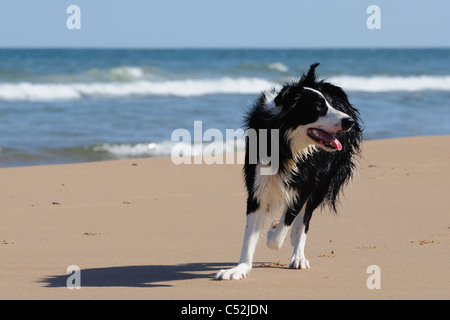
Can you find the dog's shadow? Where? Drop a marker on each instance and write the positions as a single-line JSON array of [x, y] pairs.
[[138, 276]]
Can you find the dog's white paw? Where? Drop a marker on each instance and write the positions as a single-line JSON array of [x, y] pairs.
[[299, 263], [239, 272]]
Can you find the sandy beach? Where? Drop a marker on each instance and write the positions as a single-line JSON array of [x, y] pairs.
[[148, 229]]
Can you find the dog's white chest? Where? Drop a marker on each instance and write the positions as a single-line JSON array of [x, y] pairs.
[[271, 191]]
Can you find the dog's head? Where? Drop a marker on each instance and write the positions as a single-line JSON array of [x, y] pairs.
[[314, 112]]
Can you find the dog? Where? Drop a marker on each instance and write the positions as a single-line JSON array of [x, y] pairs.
[[319, 139]]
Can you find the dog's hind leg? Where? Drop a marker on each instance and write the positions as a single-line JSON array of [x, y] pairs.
[[253, 228]]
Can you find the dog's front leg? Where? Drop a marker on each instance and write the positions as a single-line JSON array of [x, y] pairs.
[[298, 240], [254, 225], [277, 233], [298, 259]]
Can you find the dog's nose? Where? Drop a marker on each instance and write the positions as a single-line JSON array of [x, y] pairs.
[[347, 123]]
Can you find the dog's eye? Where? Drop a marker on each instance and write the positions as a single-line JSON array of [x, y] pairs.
[[321, 107]]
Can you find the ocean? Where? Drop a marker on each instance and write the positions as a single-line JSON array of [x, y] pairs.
[[75, 105]]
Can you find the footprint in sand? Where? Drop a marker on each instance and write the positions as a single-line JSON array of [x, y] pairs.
[[423, 242]]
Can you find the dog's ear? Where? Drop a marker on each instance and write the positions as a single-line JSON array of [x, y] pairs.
[[285, 97], [310, 78]]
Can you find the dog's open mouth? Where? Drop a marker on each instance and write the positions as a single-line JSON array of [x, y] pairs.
[[325, 139]]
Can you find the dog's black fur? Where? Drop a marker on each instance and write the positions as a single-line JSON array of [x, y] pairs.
[[319, 178]]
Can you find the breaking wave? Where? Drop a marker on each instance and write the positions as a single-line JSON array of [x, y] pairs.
[[393, 83], [135, 82], [165, 148], [180, 88]]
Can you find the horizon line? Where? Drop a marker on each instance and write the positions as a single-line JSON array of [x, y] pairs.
[[218, 48]]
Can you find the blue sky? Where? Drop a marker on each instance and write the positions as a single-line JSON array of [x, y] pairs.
[[225, 24]]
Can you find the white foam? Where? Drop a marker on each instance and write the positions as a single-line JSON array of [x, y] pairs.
[[135, 150], [37, 92], [181, 88], [278, 66], [127, 73], [27, 91], [164, 149], [393, 83]]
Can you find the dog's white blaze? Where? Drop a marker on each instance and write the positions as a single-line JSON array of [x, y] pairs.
[[332, 120], [319, 93]]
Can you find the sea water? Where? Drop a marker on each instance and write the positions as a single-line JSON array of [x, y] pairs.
[[74, 105]]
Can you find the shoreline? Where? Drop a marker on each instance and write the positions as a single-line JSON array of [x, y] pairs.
[[148, 229], [238, 156]]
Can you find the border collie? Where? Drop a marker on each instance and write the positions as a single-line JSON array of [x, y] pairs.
[[319, 136]]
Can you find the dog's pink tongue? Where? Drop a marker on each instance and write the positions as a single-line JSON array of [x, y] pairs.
[[337, 144], [330, 138]]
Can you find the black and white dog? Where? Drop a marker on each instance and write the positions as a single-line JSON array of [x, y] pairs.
[[319, 135]]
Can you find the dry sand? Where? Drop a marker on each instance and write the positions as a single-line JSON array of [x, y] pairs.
[[147, 229]]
